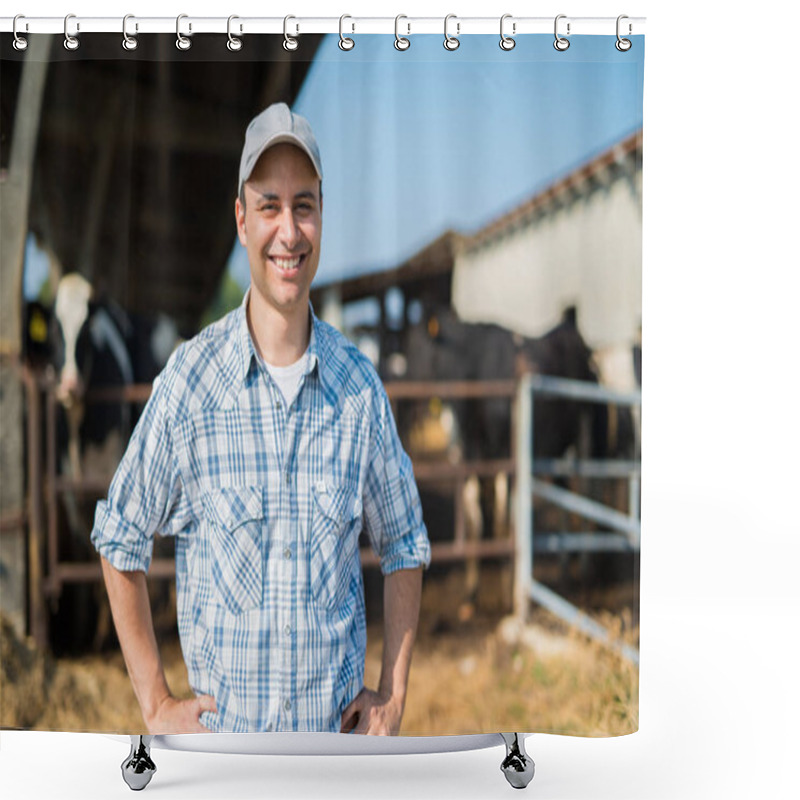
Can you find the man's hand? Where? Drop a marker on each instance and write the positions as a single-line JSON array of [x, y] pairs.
[[372, 713], [180, 716]]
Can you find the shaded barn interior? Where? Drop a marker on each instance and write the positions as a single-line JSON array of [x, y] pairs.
[[425, 279], [136, 165]]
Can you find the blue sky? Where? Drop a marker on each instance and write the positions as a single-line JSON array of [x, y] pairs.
[[416, 142]]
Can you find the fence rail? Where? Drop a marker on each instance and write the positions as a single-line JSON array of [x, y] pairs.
[[529, 486], [49, 573]]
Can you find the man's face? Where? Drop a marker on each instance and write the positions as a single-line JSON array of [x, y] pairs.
[[281, 226]]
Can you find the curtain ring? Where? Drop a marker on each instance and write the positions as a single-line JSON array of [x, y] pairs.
[[561, 43], [506, 42], [70, 42], [19, 42], [289, 42], [129, 42], [400, 42], [234, 43], [451, 42], [344, 42], [182, 42], [623, 45]]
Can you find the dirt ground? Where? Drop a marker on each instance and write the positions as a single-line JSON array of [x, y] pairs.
[[474, 670]]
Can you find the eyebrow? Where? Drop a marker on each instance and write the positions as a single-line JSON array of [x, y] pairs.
[[300, 195]]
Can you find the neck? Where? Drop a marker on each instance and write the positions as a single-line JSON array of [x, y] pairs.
[[279, 338]]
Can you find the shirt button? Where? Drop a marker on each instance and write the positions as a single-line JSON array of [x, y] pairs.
[[287, 704], [287, 629], [287, 553]]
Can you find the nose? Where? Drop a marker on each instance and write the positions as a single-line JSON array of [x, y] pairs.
[[70, 387], [288, 231]]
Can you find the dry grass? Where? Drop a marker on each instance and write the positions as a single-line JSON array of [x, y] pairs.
[[465, 680], [547, 680]]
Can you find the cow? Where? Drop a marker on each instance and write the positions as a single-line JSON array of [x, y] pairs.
[[94, 344], [441, 347], [444, 348], [97, 344]]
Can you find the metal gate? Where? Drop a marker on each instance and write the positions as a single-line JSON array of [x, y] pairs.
[[626, 527]]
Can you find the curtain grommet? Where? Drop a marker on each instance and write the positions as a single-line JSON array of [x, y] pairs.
[[71, 43], [290, 43], [561, 43], [20, 43], [623, 45], [451, 43], [400, 42], [129, 42], [234, 43], [345, 43], [507, 42], [182, 42]]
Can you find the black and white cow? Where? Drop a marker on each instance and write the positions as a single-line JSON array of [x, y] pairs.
[[98, 345], [95, 344]]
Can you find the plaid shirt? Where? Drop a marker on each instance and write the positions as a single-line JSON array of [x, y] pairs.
[[266, 504]]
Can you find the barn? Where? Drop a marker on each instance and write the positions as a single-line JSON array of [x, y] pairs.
[[576, 243], [133, 144], [568, 255], [123, 167]]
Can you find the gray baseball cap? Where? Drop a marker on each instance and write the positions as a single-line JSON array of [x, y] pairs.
[[274, 125]]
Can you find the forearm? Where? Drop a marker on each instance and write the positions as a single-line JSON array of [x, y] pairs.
[[133, 619], [402, 591]]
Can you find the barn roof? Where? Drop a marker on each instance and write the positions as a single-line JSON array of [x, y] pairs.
[[594, 172], [438, 258], [137, 160]]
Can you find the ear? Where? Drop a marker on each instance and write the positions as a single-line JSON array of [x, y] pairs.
[[239, 213]]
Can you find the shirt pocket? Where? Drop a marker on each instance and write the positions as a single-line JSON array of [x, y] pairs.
[[335, 526], [236, 521]]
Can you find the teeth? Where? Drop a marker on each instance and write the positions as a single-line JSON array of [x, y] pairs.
[[286, 264]]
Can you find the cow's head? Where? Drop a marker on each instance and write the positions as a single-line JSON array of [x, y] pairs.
[[71, 347]]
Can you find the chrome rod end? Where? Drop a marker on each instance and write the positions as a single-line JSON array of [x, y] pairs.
[[517, 766], [138, 768]]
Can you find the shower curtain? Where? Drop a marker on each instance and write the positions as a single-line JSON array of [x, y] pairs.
[[481, 253]]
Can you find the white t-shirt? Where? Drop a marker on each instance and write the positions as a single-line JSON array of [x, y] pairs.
[[288, 378]]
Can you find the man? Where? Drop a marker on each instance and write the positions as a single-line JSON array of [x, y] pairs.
[[266, 446]]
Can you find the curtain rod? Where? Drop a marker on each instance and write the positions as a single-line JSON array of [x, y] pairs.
[[298, 25]]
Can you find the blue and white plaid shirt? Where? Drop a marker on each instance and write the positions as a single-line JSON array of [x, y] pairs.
[[266, 504]]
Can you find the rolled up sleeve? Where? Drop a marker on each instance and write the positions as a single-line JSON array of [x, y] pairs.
[[392, 508], [145, 495]]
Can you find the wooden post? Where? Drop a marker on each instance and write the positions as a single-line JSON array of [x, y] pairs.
[[37, 610], [15, 191]]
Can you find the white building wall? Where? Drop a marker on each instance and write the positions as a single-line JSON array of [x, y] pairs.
[[587, 254]]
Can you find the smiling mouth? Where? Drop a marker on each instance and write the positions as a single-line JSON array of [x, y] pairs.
[[287, 264]]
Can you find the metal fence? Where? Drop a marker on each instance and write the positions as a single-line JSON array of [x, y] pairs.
[[626, 528], [48, 572]]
